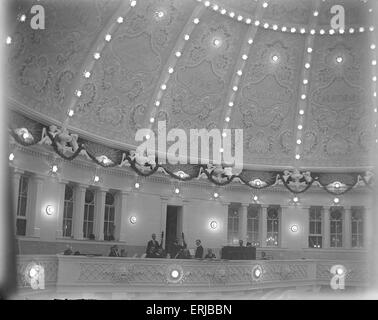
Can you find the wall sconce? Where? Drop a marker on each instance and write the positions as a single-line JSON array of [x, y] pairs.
[[336, 201], [294, 228], [50, 210], [11, 157], [137, 185], [133, 220], [213, 225], [216, 195], [96, 178]]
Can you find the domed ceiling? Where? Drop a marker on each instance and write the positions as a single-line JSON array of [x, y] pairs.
[[273, 68]]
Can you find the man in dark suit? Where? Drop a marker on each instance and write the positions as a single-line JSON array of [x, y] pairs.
[[199, 250], [152, 247]]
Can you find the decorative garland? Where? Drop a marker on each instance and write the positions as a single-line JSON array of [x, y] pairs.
[[293, 180]]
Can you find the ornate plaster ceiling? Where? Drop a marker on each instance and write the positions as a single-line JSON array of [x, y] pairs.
[[240, 62]]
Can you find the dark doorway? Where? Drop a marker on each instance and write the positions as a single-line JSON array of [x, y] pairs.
[[174, 225]]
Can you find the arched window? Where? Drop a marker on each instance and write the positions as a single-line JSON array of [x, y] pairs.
[[109, 218], [21, 205], [233, 224], [357, 227], [68, 211], [253, 220], [273, 221], [336, 221], [89, 207]]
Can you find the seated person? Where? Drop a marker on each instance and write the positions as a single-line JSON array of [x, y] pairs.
[[199, 250], [114, 251], [152, 247], [248, 245], [240, 243], [210, 254]]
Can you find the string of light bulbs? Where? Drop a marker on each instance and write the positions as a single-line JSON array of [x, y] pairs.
[[302, 104], [292, 28], [89, 64], [169, 68], [240, 66]]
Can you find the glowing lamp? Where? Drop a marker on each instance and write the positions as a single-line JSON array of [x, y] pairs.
[[133, 220], [294, 228], [213, 225], [50, 210]]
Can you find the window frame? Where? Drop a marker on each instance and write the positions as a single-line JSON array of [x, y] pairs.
[[87, 211], [233, 235], [65, 216], [319, 235], [22, 202], [253, 236], [274, 234], [339, 224], [360, 224], [110, 209]]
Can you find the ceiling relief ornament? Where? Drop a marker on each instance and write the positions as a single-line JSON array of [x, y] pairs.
[[296, 181], [110, 112], [197, 89], [265, 108], [337, 123], [136, 53], [36, 74], [289, 11]]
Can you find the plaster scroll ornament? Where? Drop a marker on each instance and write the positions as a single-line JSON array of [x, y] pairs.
[[142, 160], [218, 173], [104, 160], [24, 135], [63, 139], [296, 180], [124, 162], [45, 139]]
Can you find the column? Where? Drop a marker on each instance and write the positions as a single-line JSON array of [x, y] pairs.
[[163, 216], [243, 220], [35, 209], [123, 221], [100, 213], [16, 176], [264, 214], [326, 227], [347, 228], [78, 219], [226, 206], [60, 210]]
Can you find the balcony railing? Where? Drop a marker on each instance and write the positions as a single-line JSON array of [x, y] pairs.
[[108, 274]]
